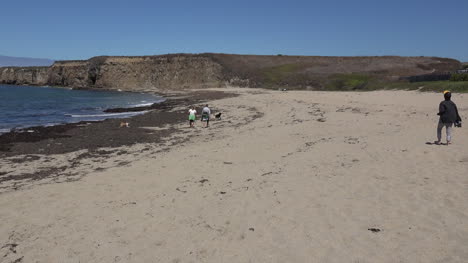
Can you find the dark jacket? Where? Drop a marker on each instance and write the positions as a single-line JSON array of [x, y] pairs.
[[448, 112]]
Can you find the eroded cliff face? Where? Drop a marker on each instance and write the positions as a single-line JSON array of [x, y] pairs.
[[148, 74], [69, 74], [156, 73], [184, 71], [24, 76]]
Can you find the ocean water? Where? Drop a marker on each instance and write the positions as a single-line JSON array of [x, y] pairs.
[[25, 106]]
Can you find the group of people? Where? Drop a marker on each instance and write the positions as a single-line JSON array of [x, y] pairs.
[[448, 113], [205, 117]]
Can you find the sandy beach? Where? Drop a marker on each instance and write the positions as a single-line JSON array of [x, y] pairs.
[[295, 176]]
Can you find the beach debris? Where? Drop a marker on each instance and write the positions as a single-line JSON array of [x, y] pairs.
[[374, 230], [227, 162], [241, 189], [11, 247], [202, 181], [181, 190], [321, 120], [351, 140], [222, 192], [124, 124], [252, 229]]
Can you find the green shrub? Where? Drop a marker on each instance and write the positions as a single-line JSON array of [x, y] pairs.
[[350, 82], [459, 77], [278, 74], [438, 86]]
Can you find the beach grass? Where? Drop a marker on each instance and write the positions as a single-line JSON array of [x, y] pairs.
[[286, 75], [275, 75], [363, 82], [347, 82], [436, 86]]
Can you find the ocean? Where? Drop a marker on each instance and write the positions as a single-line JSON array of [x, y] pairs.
[[26, 106]]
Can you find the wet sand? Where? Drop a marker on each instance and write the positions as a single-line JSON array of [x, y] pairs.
[[97, 134], [284, 177]]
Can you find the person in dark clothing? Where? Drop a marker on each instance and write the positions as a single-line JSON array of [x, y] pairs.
[[448, 113], [206, 112]]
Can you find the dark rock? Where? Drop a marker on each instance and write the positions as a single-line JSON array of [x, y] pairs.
[[374, 230]]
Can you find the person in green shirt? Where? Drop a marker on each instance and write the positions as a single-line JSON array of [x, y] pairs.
[[192, 113]]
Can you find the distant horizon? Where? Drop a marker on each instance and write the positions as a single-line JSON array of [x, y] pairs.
[[240, 54], [3, 55], [10, 61]]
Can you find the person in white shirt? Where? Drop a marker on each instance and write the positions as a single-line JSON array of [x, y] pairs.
[[192, 113], [206, 112]]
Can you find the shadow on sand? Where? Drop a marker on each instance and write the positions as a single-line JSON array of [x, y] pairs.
[[434, 143]]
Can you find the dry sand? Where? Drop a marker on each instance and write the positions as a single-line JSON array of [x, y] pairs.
[[285, 177]]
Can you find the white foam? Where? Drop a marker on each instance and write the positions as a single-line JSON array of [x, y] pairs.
[[51, 124], [106, 114], [143, 105]]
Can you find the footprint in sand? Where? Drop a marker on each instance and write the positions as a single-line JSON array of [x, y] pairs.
[[351, 140]]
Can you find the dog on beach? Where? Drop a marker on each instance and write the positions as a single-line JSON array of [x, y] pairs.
[[218, 116], [124, 124]]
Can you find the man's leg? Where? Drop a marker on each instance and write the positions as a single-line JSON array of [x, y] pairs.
[[440, 125], [449, 132]]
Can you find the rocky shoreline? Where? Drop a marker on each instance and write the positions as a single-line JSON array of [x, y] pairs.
[[92, 135]]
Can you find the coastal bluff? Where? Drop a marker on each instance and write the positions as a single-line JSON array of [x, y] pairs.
[[184, 71]]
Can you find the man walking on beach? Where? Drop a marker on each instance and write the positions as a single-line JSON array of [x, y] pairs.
[[448, 113], [206, 112]]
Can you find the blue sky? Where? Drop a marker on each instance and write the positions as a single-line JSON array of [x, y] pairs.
[[82, 29]]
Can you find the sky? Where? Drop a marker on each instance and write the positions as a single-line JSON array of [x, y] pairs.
[[65, 30]]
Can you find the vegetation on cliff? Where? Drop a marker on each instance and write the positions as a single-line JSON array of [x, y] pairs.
[[182, 71]]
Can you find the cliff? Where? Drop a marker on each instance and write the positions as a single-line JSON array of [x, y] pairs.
[[183, 71]]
